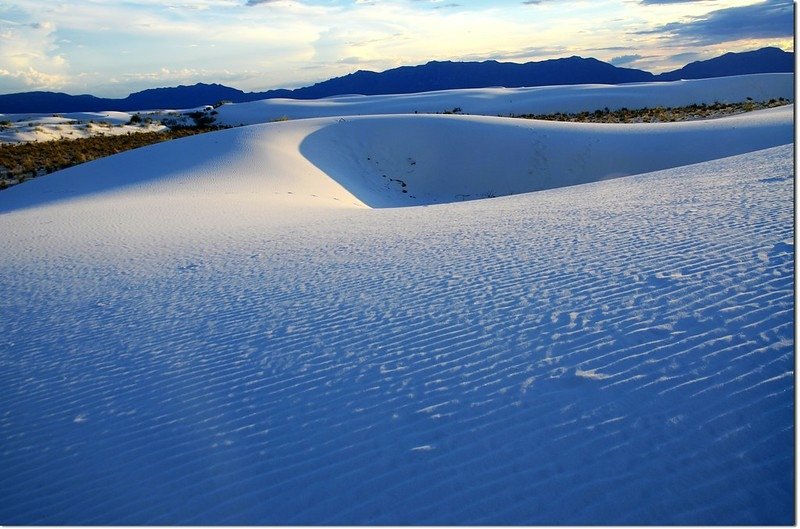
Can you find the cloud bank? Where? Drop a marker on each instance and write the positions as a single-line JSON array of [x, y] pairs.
[[773, 19]]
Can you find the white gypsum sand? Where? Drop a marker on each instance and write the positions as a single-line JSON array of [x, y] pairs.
[[518, 101], [32, 127], [241, 327]]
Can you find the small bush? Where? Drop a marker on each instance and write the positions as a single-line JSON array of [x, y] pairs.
[[201, 119]]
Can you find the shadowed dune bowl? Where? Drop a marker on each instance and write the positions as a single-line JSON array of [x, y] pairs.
[[392, 161]]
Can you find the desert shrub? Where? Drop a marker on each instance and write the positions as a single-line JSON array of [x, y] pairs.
[[201, 119]]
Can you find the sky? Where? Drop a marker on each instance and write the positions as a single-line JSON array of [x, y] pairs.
[[111, 48]]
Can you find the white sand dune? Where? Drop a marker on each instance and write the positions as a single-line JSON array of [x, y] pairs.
[[242, 327], [32, 127], [411, 160], [533, 100], [406, 160]]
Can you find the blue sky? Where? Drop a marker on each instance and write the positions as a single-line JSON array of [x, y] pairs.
[[114, 47]]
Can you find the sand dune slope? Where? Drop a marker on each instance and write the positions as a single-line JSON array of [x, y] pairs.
[[619, 352], [219, 331], [390, 161]]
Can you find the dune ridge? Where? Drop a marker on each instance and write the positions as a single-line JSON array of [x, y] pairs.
[[406, 160]]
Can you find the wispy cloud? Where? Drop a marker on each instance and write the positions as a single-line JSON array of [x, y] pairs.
[[625, 59], [656, 2], [686, 57], [528, 53], [252, 3]]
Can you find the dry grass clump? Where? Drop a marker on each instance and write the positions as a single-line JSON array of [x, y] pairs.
[[19, 162], [660, 114]]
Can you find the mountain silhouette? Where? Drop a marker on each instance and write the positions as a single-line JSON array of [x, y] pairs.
[[182, 96], [434, 75], [450, 75], [765, 60]]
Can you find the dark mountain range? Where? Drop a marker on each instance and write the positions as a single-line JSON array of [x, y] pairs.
[[449, 75], [409, 79], [182, 97], [765, 60], [53, 102], [155, 98]]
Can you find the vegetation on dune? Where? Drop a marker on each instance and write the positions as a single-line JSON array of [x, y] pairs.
[[659, 114], [19, 162]]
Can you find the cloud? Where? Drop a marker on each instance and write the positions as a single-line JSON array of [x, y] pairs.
[[31, 58], [625, 59], [437, 4], [686, 57], [773, 19], [612, 48], [31, 79], [657, 2], [527, 54]]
